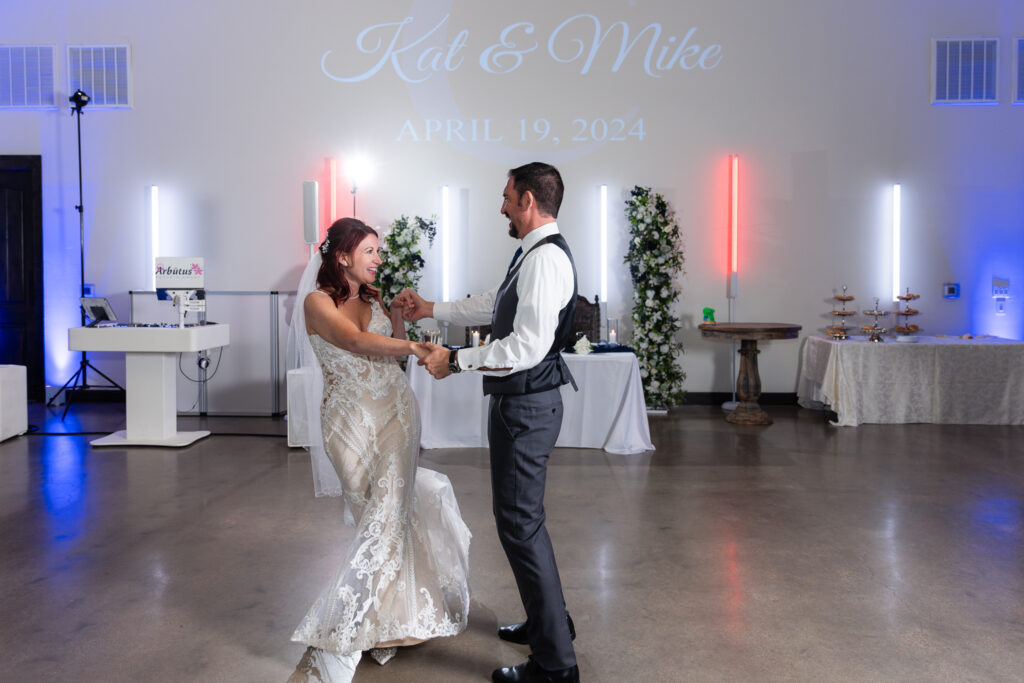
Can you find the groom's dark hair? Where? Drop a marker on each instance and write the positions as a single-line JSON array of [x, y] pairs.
[[544, 181]]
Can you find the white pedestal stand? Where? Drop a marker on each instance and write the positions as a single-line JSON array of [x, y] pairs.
[[150, 390]]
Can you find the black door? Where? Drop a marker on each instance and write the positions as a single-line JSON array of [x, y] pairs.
[[21, 268]]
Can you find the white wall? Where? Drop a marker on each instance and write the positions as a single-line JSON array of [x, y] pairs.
[[827, 102]]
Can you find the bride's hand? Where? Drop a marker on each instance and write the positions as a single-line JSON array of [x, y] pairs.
[[436, 360], [422, 349]]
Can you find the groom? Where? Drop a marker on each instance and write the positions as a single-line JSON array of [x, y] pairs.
[[530, 314]]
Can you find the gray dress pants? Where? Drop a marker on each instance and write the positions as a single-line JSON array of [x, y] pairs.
[[522, 430]]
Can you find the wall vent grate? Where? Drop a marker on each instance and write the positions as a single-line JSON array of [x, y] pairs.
[[102, 72], [26, 76], [965, 71]]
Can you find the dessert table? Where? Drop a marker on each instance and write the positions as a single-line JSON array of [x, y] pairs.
[[607, 412], [748, 382], [936, 380]]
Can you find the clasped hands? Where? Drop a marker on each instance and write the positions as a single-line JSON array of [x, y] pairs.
[[433, 357]]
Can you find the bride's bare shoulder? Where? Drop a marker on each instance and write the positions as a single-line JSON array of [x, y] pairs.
[[318, 297]]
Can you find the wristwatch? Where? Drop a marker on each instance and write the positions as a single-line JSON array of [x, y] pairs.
[[453, 365]]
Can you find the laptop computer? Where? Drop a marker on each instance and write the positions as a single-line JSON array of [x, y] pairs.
[[97, 309]]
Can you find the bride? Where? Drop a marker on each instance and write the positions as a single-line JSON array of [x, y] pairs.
[[403, 580]]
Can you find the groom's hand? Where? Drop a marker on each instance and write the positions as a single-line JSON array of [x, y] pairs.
[[436, 361], [414, 307]]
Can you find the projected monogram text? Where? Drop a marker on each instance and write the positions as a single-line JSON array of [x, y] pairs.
[[580, 40]]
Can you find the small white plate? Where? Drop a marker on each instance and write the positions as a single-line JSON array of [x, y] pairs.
[[906, 338]]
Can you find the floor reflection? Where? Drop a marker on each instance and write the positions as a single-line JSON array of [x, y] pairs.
[[62, 466]]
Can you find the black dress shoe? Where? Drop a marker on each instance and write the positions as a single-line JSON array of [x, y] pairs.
[[530, 672], [517, 633]]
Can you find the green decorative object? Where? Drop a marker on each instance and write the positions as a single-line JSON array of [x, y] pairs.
[[655, 259], [403, 260]]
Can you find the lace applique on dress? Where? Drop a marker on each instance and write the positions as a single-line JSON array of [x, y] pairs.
[[404, 577]]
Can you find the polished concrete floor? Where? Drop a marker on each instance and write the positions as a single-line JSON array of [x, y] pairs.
[[797, 551]]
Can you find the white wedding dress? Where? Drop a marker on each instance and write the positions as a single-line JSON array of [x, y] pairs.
[[404, 578]]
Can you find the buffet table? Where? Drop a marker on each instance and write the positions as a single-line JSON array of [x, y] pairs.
[[936, 380], [607, 412]]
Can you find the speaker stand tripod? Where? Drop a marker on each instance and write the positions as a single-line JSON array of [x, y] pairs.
[[80, 380]]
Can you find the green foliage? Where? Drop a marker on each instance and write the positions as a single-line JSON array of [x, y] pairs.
[[403, 260], [655, 257]]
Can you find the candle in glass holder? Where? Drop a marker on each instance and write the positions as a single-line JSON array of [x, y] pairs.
[[613, 330], [476, 338], [611, 336]]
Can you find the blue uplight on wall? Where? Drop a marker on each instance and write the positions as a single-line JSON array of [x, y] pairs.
[[61, 289]]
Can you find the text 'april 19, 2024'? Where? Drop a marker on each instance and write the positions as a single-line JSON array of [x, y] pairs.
[[537, 130]]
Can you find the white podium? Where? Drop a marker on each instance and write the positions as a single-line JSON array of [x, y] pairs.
[[151, 373]]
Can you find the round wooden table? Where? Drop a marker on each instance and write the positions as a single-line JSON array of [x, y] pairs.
[[748, 383]]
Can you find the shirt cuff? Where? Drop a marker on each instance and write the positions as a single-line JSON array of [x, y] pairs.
[[443, 311], [468, 358]]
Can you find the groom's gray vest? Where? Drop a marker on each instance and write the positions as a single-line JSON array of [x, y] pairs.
[[551, 372]]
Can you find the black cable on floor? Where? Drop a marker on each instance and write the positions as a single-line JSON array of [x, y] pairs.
[[275, 436], [38, 433]]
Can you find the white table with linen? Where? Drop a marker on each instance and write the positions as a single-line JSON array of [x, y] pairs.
[[607, 412], [935, 380]]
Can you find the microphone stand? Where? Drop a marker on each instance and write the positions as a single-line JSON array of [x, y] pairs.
[[80, 381]]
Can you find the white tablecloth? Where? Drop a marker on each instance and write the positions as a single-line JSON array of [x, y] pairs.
[[937, 380], [608, 412]]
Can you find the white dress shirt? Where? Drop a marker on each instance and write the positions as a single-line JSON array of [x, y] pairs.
[[545, 286]]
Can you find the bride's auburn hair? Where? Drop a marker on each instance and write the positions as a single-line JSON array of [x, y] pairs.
[[343, 237]]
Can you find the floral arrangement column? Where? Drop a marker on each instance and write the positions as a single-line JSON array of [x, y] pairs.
[[403, 260], [655, 257]]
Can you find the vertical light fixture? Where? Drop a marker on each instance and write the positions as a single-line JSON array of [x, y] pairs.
[[734, 228], [445, 245], [733, 258], [153, 199], [604, 242], [334, 190], [896, 227]]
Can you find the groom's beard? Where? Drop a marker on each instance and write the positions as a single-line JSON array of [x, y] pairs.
[[512, 232]]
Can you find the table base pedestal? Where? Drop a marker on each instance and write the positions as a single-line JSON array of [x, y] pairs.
[[748, 383], [748, 389], [749, 414], [175, 440]]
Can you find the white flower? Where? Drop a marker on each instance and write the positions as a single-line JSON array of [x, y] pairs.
[[583, 346], [664, 348], [649, 303]]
